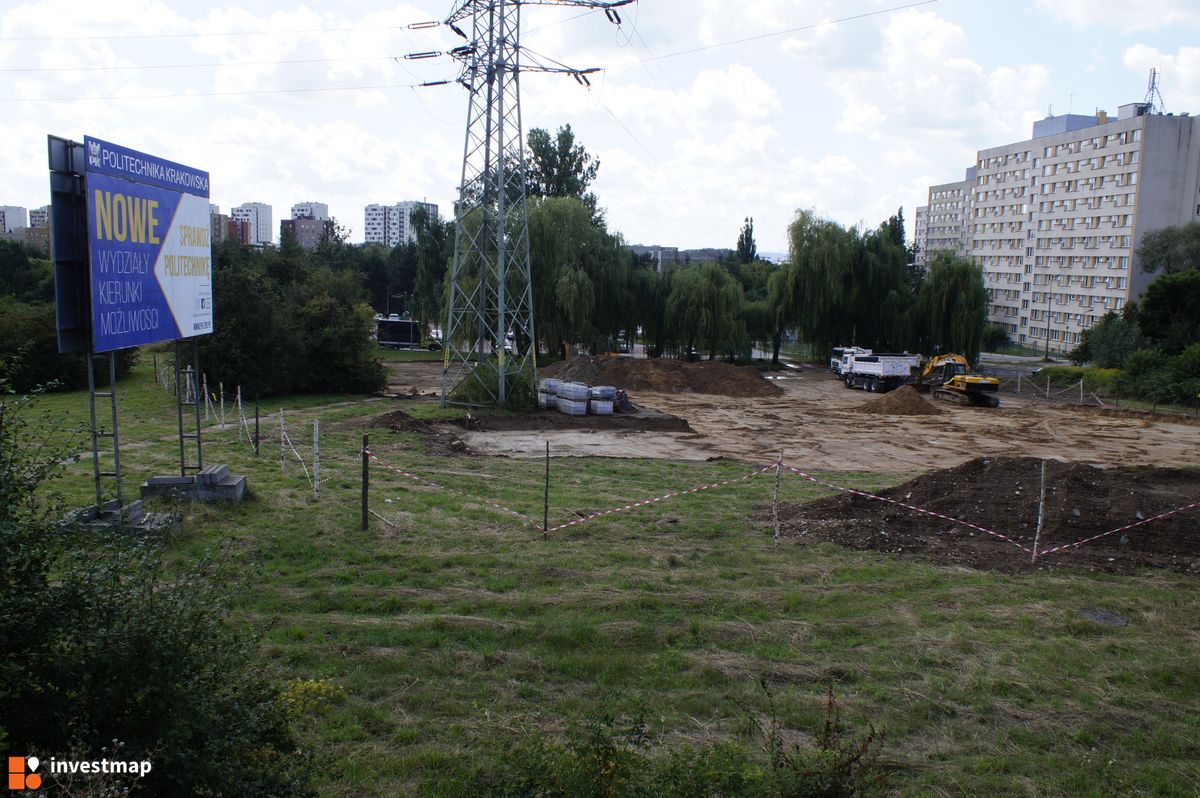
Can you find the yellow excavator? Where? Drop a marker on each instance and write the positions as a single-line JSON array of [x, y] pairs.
[[949, 377]]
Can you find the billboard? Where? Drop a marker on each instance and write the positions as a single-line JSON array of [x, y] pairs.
[[149, 255]]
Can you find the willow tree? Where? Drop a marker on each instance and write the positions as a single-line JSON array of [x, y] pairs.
[[951, 307], [703, 310], [821, 270]]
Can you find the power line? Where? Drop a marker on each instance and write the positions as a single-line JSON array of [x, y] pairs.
[[248, 92], [211, 65], [127, 36], [772, 34]]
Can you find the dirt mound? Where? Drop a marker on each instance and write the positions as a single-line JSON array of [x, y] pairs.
[[904, 401], [664, 375], [1001, 494], [643, 420], [442, 437]]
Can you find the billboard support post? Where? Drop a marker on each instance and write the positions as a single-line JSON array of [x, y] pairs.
[[111, 395]]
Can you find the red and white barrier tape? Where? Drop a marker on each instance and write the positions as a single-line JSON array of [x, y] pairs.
[[906, 506], [657, 499], [1065, 546], [433, 484]]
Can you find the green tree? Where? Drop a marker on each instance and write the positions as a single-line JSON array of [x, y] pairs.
[[434, 251], [1169, 311], [22, 277], [1109, 342], [952, 307], [559, 167], [1171, 250], [702, 310], [564, 242], [747, 250], [821, 271]]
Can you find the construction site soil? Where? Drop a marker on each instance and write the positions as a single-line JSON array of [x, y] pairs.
[[904, 401], [1002, 494], [820, 425], [664, 375]]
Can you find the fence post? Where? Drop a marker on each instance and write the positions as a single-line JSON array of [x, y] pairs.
[[1018, 383], [256, 438], [204, 390], [775, 499], [155, 356], [1037, 534], [1047, 386], [282, 450], [1081, 390], [241, 411], [366, 477], [317, 457], [221, 390]]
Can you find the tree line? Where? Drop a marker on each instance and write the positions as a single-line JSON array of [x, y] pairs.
[[1153, 346]]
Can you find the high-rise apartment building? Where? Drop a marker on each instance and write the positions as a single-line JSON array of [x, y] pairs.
[[392, 224], [12, 217], [921, 234], [1055, 221], [946, 221], [258, 216], [317, 211], [40, 217]]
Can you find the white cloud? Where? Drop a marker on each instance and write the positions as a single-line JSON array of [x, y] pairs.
[[1122, 14]]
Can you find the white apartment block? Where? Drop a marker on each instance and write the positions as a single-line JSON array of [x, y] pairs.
[[1056, 220], [947, 225], [921, 234], [391, 224], [318, 211], [12, 217], [258, 214]]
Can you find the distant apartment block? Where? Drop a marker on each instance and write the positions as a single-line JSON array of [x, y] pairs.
[[318, 211], [392, 224], [258, 216], [1055, 221], [218, 225], [12, 217], [40, 217], [921, 234], [662, 257], [947, 226], [307, 232]]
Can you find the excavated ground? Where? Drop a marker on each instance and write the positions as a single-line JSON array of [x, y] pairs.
[[1002, 494], [664, 375], [904, 401]]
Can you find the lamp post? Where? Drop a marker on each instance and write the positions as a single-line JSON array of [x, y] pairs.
[[1047, 316]]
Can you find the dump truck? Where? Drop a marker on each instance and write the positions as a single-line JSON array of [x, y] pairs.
[[879, 373], [949, 378], [839, 355]]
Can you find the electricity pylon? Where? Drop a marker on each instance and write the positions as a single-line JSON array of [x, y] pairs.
[[489, 344]]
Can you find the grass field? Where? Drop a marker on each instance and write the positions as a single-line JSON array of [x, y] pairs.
[[454, 628]]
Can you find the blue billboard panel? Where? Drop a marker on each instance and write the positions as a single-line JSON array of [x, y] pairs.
[[148, 245]]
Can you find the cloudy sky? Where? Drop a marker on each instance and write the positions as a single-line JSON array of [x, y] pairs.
[[707, 111]]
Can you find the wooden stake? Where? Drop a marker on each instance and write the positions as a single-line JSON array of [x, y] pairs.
[[366, 477], [546, 503], [317, 457], [1041, 510], [775, 499]]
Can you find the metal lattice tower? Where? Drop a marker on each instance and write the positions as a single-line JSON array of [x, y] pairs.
[[489, 346]]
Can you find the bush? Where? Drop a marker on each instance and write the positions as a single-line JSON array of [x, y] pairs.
[[285, 326], [103, 641], [1097, 380], [29, 355], [601, 761]]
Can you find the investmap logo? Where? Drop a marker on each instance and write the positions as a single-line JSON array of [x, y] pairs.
[[23, 770], [22, 773]]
